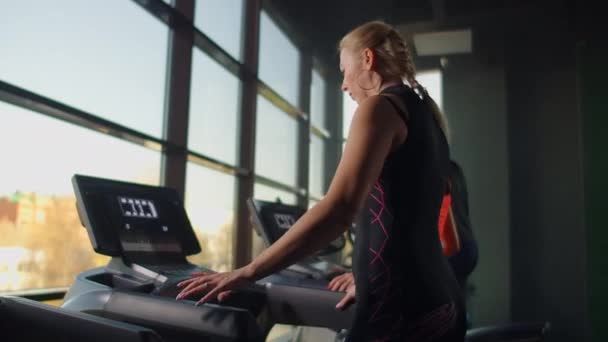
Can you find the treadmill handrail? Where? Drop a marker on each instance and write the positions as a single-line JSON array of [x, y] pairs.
[[296, 305], [61, 321], [207, 319]]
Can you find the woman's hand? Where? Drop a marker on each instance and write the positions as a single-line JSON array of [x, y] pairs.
[[348, 298], [342, 282], [215, 285]]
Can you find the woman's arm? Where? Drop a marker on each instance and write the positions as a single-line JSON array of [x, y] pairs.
[[376, 128]]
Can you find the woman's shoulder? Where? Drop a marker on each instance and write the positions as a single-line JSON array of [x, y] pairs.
[[381, 102], [379, 108]]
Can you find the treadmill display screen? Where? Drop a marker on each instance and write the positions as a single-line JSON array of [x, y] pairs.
[[133, 218], [279, 219], [142, 229], [272, 220], [135, 207]]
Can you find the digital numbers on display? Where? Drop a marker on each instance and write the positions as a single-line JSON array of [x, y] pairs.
[[284, 221], [137, 207]]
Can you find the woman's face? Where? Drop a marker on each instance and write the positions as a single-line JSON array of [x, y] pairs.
[[351, 67]]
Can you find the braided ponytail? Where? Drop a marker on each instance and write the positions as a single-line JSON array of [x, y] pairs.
[[394, 59]]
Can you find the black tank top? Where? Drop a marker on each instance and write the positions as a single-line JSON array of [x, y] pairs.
[[405, 289]]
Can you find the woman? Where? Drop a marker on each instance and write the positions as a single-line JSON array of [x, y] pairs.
[[392, 175]]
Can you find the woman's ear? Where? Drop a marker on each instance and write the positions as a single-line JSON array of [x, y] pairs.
[[369, 58]]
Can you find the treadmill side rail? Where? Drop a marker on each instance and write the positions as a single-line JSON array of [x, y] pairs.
[[306, 306], [159, 313], [215, 320]]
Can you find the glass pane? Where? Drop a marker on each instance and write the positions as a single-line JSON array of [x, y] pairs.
[[279, 60], [312, 203], [42, 243], [276, 143], [348, 111], [271, 194], [432, 81], [317, 166], [214, 99], [222, 21], [317, 100], [210, 206], [104, 57]]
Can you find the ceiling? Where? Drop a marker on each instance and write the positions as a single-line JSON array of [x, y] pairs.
[[321, 23]]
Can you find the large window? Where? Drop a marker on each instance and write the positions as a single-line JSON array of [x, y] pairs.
[[279, 60], [210, 207], [276, 148], [222, 21], [214, 103], [85, 55], [109, 59], [43, 244]]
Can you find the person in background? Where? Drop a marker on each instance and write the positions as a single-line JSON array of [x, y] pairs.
[[461, 249]]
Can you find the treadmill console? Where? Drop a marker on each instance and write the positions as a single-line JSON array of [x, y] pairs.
[[134, 220], [271, 220]]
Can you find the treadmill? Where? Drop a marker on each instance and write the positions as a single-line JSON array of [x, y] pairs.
[[147, 232], [271, 220], [24, 319]]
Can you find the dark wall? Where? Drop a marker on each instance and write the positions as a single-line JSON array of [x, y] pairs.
[[475, 103], [517, 131], [592, 54], [548, 245]]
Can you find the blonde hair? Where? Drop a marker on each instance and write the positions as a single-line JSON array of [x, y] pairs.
[[393, 57]]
